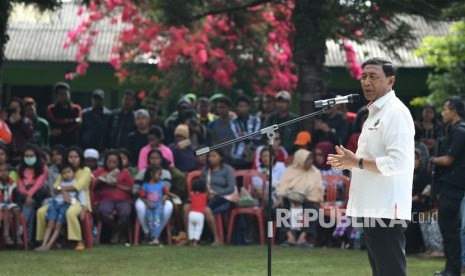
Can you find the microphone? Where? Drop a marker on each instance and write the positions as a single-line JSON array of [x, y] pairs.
[[339, 100]]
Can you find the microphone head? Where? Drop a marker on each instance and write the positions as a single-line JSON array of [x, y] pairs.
[[353, 98]]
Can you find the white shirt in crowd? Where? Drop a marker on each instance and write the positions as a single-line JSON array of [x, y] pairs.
[[388, 137]]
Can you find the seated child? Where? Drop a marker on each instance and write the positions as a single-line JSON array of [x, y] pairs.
[[56, 212], [196, 217], [7, 185], [153, 193]]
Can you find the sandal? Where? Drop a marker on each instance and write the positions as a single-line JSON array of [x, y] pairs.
[[19, 241], [9, 241], [287, 244], [154, 243], [80, 246]]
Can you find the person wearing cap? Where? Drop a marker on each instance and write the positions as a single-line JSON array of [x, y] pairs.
[[41, 135], [155, 139], [183, 153], [91, 158], [245, 124], [192, 98], [175, 118], [94, 120], [288, 133], [121, 123], [451, 163], [199, 134], [222, 128], [64, 116], [138, 138]]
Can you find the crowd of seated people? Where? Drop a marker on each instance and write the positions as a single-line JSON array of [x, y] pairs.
[[129, 164]]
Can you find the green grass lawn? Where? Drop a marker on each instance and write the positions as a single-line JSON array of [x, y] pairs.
[[205, 260]]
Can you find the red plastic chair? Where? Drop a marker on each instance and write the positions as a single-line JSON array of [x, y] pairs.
[[218, 218], [331, 201], [247, 176], [23, 224]]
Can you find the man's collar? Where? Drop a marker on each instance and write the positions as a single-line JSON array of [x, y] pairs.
[[379, 103]]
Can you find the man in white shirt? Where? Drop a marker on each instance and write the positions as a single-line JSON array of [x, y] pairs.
[[382, 170]]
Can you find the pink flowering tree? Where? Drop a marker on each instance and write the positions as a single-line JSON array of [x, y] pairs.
[[214, 45]]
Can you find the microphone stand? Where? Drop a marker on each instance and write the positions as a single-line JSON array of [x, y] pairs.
[[270, 134]]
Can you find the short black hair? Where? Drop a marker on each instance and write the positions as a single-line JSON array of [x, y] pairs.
[[388, 67], [65, 165], [243, 99], [199, 185], [224, 100], [456, 104], [129, 92], [118, 157], [149, 171], [157, 131], [61, 84]]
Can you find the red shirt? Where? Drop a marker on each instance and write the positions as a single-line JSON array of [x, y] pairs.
[[113, 193], [198, 202]]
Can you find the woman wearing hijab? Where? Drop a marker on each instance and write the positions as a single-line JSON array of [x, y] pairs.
[[300, 187]]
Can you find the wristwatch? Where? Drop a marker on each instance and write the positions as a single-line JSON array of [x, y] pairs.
[[360, 163]]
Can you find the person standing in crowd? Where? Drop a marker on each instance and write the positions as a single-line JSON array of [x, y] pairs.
[[183, 153], [222, 128], [432, 127], [175, 118], [242, 152], [32, 174], [337, 122], [288, 133], [203, 108], [267, 107], [383, 165], [64, 116], [199, 133], [121, 123], [21, 129], [452, 166], [41, 134], [94, 120], [138, 138]]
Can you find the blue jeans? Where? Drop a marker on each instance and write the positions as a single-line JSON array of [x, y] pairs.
[[154, 219], [462, 230], [57, 211]]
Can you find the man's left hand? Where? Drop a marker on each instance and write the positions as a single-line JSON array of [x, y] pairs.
[[343, 160]]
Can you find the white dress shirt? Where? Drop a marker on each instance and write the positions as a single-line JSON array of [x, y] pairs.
[[388, 137]]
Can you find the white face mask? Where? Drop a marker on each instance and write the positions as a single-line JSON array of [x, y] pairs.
[[30, 161]]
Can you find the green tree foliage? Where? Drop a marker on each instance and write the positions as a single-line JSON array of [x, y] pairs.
[[447, 55]]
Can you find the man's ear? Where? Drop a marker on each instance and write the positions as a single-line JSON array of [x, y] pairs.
[[392, 80]]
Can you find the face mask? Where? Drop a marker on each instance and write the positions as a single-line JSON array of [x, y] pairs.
[[30, 161]]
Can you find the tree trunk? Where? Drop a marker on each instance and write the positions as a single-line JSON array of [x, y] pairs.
[[309, 53], [5, 9]]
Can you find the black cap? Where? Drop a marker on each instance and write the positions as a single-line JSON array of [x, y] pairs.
[[61, 85], [98, 93]]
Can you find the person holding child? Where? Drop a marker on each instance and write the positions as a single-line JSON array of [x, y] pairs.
[[56, 212], [7, 185], [154, 193], [83, 175]]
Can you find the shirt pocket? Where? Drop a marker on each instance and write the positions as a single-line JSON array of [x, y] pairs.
[[374, 138]]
